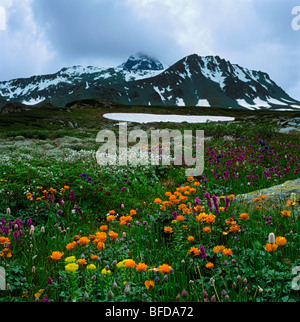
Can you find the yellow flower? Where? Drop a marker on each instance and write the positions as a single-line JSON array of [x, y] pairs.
[[91, 266], [105, 271], [39, 293], [70, 259], [72, 267]]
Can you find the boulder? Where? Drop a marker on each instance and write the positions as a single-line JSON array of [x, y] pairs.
[[275, 196]]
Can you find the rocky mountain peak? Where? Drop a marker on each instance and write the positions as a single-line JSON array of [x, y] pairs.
[[141, 61]]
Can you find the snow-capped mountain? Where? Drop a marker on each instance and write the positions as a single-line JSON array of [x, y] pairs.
[[192, 81], [67, 81]]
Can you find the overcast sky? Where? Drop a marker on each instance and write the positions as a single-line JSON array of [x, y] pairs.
[[42, 36]]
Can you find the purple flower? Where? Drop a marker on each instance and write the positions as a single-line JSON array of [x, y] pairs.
[[123, 189], [174, 213], [227, 202], [207, 197], [215, 201]]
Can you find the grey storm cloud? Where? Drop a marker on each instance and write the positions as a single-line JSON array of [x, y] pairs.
[[101, 28], [42, 36]]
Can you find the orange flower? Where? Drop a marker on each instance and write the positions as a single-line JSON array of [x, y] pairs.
[[101, 236], [6, 252], [285, 213], [201, 217], [197, 183], [132, 212], [84, 240], [280, 241], [244, 216], [180, 218], [56, 255], [235, 228], [218, 249], [100, 245], [194, 251], [230, 221], [210, 218], [290, 202], [111, 212], [164, 268], [149, 285], [209, 265], [271, 247], [70, 246], [94, 257], [113, 235], [81, 261], [141, 267], [103, 228], [191, 238], [227, 251], [168, 230], [206, 230], [110, 218], [4, 240], [130, 263], [157, 200]]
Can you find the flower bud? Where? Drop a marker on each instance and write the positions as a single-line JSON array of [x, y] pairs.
[[184, 294], [110, 295], [271, 238]]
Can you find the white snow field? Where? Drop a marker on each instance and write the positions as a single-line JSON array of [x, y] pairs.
[[150, 118]]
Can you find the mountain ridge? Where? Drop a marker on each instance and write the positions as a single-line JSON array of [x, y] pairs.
[[193, 80]]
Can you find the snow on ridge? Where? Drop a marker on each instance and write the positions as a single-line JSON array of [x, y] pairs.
[[203, 102], [34, 101], [180, 102]]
